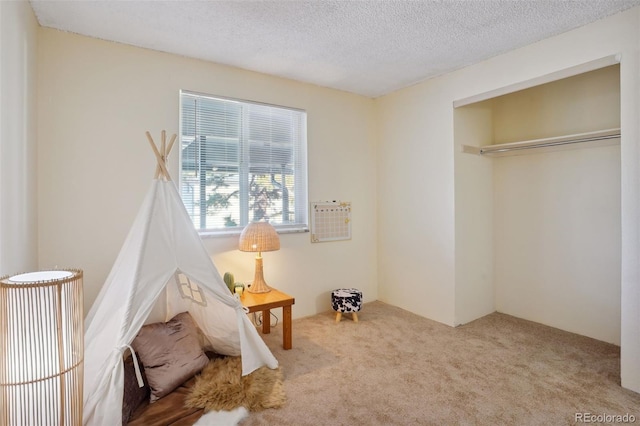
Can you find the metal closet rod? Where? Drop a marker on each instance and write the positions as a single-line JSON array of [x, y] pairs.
[[549, 144]]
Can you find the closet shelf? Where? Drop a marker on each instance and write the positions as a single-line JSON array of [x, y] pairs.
[[597, 138]]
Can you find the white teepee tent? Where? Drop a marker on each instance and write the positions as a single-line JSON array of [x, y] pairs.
[[161, 243]]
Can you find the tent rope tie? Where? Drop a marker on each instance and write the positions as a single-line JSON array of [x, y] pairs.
[[240, 306], [136, 366]]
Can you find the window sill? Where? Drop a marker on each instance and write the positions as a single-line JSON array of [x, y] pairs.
[[237, 232]]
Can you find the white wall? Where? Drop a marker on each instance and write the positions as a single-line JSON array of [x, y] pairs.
[[557, 214], [586, 102], [474, 195], [630, 206], [96, 99], [557, 239], [416, 201], [417, 211], [18, 168]]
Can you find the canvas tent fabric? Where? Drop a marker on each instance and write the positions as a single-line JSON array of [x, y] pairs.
[[161, 242]]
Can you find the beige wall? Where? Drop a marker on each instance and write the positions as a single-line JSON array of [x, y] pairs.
[[557, 239], [474, 192], [557, 214], [18, 168], [417, 166], [96, 99], [583, 103], [416, 201]]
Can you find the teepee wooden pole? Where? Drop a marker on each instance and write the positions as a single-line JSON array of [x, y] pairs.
[[163, 146], [163, 138], [153, 144], [150, 139], [162, 154], [158, 171], [159, 158], [171, 142]]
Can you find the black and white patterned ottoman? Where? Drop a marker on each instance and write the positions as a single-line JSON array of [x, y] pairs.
[[346, 300]]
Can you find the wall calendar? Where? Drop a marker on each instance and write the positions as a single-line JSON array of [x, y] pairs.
[[330, 221]]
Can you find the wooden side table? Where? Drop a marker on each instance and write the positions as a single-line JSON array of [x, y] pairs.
[[264, 302]]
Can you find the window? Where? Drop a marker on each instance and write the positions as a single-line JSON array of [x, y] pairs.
[[242, 162], [189, 289]]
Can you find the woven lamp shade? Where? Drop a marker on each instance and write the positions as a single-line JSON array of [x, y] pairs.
[[259, 237], [41, 348]]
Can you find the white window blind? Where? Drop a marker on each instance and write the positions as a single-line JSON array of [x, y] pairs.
[[242, 162]]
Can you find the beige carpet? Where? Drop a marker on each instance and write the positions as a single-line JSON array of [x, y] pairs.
[[396, 368]]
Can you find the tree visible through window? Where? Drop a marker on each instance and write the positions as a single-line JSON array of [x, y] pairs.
[[242, 162]]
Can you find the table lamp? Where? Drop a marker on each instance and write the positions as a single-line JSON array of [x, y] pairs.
[[41, 348], [259, 237]]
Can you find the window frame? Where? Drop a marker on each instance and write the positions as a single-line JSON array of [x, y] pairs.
[[302, 202]]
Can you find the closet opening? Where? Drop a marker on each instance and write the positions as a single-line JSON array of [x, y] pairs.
[[537, 202]]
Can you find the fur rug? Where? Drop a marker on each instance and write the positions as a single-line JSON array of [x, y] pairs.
[[221, 386]]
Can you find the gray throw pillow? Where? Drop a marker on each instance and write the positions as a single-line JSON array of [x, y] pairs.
[[171, 353]]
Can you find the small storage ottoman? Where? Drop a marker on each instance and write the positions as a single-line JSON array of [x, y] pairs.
[[346, 300]]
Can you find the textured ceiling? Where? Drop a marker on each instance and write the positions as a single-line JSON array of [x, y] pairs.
[[366, 47]]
